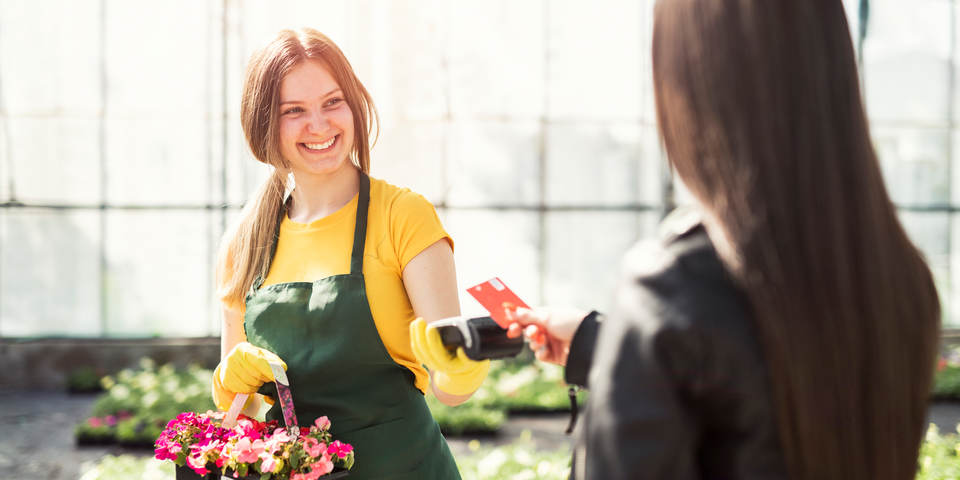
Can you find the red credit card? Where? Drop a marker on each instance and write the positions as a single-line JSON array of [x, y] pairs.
[[497, 299]]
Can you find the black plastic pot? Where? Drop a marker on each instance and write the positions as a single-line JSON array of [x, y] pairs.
[[185, 473]]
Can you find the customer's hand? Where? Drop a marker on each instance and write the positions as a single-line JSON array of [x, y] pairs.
[[243, 370], [453, 374], [548, 330]]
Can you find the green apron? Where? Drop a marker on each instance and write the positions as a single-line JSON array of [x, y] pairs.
[[338, 366]]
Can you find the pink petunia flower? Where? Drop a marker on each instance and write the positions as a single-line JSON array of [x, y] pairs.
[[282, 435], [269, 463], [322, 466], [248, 429], [313, 447], [205, 449], [339, 448], [95, 422], [167, 450], [275, 442], [323, 423], [198, 464], [247, 451]]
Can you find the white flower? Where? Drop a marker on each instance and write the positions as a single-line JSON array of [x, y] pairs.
[[120, 392], [490, 465], [147, 363], [523, 457]]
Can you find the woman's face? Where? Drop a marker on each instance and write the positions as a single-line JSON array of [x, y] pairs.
[[316, 125]]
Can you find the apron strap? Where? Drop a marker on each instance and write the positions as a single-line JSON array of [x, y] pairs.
[[360, 230]]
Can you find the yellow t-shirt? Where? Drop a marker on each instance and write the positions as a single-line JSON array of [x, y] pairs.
[[400, 225]]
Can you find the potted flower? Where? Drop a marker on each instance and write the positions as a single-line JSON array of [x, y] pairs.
[[202, 448]]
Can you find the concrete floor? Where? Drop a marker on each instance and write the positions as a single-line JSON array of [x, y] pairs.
[[36, 434]]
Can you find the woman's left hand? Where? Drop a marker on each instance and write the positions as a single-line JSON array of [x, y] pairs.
[[453, 374]]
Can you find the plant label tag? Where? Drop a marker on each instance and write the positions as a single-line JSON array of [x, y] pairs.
[[497, 299], [279, 373], [230, 420], [285, 398]]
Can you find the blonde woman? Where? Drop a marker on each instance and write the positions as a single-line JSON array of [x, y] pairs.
[[329, 279]]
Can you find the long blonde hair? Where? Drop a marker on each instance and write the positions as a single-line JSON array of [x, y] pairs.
[[245, 248]]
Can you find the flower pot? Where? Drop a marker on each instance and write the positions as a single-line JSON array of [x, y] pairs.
[[185, 473]]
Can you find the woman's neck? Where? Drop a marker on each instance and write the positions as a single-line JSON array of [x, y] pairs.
[[316, 197]]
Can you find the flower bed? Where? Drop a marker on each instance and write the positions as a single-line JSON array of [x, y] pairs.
[[938, 460], [138, 403], [470, 418], [522, 385], [515, 386], [99, 430], [946, 380], [518, 461], [84, 380], [939, 456]]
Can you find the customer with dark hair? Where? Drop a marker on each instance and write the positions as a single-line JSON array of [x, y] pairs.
[[791, 331]]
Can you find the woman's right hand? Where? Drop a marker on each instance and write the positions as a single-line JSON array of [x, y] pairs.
[[548, 330], [242, 370]]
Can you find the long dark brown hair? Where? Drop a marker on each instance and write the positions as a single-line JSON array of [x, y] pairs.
[[759, 108]]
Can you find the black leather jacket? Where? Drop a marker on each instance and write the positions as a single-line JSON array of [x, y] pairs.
[[678, 386]]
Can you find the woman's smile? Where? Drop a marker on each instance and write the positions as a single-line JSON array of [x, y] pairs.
[[321, 147]]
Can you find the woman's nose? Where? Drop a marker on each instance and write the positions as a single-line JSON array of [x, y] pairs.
[[318, 123]]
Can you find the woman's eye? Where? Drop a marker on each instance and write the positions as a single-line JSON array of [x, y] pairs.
[[333, 101], [292, 110]]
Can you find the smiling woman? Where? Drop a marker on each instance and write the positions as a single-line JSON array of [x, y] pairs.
[[328, 274]]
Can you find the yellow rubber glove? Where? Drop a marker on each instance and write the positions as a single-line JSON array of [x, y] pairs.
[[453, 374], [242, 370]]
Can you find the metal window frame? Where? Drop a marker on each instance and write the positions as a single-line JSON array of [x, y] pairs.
[[542, 208]]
